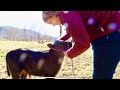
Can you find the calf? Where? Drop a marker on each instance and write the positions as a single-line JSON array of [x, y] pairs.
[[21, 63]]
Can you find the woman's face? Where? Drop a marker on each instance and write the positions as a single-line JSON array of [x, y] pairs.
[[54, 20]]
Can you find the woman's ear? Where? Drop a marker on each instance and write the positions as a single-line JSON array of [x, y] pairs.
[[50, 45], [48, 21]]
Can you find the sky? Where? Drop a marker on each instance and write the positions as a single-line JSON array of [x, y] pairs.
[[28, 20]]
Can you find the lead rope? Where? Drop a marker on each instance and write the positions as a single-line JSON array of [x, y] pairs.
[[60, 30], [71, 64], [72, 68]]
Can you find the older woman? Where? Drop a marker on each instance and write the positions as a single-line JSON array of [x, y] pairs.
[[98, 28]]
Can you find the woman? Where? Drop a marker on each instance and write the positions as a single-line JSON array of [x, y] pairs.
[[101, 29]]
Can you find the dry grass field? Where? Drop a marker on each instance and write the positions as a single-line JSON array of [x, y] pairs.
[[82, 64]]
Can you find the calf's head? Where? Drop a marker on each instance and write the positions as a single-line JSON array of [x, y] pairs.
[[60, 45]]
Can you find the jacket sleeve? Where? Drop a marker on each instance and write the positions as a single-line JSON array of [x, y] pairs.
[[65, 37], [79, 35]]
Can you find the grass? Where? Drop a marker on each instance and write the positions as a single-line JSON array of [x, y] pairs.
[[82, 64]]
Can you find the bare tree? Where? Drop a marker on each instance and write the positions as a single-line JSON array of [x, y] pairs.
[[24, 34]]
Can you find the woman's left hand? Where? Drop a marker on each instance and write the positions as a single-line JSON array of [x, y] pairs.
[[65, 53]]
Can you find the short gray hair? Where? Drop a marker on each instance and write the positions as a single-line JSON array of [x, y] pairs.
[[48, 14]]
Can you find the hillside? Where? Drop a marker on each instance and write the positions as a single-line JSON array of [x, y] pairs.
[[15, 34]]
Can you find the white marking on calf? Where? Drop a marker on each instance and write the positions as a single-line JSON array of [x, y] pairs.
[[40, 63], [60, 60], [23, 56]]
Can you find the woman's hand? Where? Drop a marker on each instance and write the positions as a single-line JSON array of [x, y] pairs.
[[65, 53]]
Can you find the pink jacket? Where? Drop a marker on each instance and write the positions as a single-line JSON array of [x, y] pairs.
[[85, 26]]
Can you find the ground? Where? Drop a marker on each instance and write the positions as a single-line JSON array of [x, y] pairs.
[[82, 65]]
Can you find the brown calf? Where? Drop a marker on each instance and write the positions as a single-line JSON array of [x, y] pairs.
[[21, 63]]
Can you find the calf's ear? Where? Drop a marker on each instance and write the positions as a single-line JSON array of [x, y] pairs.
[[50, 45]]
